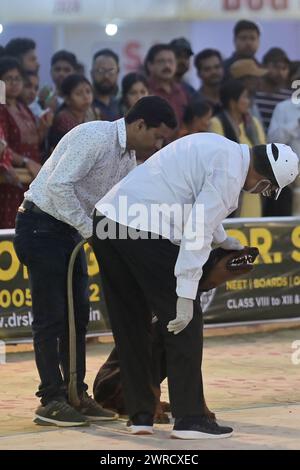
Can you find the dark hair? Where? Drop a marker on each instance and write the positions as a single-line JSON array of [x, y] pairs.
[[206, 54], [196, 109], [245, 25], [10, 63], [80, 68], [130, 79], [261, 161], [2, 51], [275, 54], [156, 49], [66, 56], [107, 53], [19, 46], [154, 110], [71, 82], [231, 90]]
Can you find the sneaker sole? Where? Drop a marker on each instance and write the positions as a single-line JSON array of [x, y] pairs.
[[141, 430], [197, 435], [41, 421], [102, 418]]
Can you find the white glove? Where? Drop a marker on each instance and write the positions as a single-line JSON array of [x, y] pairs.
[[231, 243], [184, 314]]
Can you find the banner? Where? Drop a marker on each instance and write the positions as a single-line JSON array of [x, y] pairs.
[[99, 11], [271, 291], [15, 296]]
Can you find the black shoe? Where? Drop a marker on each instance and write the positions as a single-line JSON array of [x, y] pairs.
[[199, 428], [141, 423], [59, 413], [93, 411]]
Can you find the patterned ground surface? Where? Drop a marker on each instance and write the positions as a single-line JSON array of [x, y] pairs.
[[250, 381]]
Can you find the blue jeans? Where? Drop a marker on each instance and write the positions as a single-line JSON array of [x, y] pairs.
[[44, 245]]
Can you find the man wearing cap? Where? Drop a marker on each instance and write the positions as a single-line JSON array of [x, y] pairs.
[[250, 74], [152, 235], [183, 52]]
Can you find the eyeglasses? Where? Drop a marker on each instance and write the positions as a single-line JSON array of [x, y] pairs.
[[108, 72], [13, 79]]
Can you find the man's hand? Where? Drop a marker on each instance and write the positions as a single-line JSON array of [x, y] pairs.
[[231, 243], [184, 314]]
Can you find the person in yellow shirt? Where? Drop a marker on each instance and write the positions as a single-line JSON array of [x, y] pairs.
[[236, 123]]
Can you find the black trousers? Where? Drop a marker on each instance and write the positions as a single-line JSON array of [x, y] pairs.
[[44, 245], [138, 279]]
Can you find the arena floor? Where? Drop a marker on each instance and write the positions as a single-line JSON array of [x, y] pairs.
[[250, 381]]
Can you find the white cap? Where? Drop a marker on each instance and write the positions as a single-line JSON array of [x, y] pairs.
[[285, 165]]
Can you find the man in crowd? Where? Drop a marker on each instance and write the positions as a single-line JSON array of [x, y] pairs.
[[183, 52], [105, 73], [274, 85], [211, 73], [160, 64], [24, 50], [246, 42]]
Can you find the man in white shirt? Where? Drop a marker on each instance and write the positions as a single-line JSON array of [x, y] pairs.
[[180, 195], [53, 219]]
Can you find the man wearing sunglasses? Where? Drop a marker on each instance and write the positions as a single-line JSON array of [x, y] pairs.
[[144, 270]]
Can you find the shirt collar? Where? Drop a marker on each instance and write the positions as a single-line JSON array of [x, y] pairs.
[[155, 86], [122, 136]]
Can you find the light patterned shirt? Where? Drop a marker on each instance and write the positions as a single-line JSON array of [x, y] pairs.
[[87, 162]]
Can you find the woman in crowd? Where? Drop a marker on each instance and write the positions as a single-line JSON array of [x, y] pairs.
[[134, 87], [76, 109], [196, 118], [236, 123], [19, 131]]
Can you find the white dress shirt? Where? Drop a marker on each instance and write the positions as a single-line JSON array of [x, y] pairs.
[[83, 167], [200, 169]]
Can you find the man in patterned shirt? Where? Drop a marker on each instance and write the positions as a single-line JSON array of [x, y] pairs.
[[54, 217]]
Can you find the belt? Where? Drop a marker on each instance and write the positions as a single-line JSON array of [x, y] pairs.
[[29, 206]]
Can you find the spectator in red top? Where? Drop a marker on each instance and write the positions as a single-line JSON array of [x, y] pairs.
[[161, 65], [19, 130]]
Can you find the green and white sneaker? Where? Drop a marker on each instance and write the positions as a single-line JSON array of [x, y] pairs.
[[93, 411], [59, 413]]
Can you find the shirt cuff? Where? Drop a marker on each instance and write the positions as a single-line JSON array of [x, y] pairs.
[[187, 288]]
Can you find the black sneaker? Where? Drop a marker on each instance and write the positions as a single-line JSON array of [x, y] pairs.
[[141, 424], [59, 413], [93, 411], [199, 428]]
